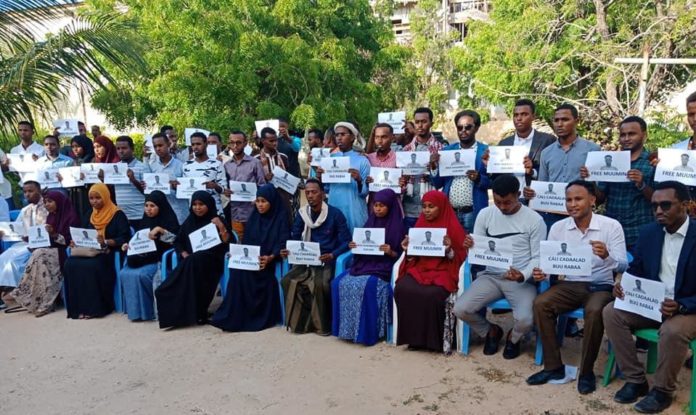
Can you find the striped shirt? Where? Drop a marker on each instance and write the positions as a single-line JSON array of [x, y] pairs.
[[212, 170], [128, 197]]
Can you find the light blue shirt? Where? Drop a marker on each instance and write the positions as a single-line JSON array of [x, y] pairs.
[[346, 197], [60, 161], [559, 165], [174, 169], [128, 197]]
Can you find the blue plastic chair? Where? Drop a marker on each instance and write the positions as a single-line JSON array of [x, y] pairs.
[[343, 263], [119, 305], [282, 268], [501, 304], [170, 255]]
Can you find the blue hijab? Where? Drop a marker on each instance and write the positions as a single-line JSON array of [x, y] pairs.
[[270, 230]]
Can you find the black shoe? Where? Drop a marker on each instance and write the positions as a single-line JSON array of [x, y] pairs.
[[511, 350], [492, 341], [501, 311], [572, 329], [587, 384], [655, 402], [542, 377], [2, 304], [630, 392]]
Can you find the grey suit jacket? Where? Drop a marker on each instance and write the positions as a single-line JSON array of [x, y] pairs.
[[539, 142]]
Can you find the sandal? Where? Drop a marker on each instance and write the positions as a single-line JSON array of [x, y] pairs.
[[15, 309]]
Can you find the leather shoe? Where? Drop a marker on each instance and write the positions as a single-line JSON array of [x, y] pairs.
[[587, 384], [511, 350], [542, 377], [630, 392], [655, 402], [495, 333]]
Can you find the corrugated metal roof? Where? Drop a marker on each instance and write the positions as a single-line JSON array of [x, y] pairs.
[[25, 5]]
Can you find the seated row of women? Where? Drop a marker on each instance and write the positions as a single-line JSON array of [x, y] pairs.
[[362, 296]]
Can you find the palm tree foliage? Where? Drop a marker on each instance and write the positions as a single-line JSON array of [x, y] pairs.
[[36, 69]]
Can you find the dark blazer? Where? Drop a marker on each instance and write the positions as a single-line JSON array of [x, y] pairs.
[[648, 254], [539, 142]]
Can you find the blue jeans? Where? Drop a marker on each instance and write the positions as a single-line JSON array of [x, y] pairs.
[[409, 223], [466, 220]]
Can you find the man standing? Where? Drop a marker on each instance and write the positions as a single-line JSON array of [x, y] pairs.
[[379, 149], [417, 186], [241, 168], [562, 160], [629, 202], [468, 194], [326, 225], [202, 165], [666, 251], [349, 198], [271, 158], [27, 145], [591, 292], [52, 157], [163, 162], [96, 131], [181, 154], [315, 139], [523, 115], [290, 146], [525, 229], [129, 197]]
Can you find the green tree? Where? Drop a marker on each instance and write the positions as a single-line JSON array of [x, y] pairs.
[[225, 63], [564, 50], [35, 73]]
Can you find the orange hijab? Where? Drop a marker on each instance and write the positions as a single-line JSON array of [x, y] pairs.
[[101, 218]]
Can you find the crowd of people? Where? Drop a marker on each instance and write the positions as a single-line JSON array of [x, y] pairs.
[[643, 220]]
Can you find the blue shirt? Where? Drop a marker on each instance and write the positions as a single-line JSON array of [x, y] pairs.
[[559, 165], [128, 197], [333, 235], [346, 197], [174, 169]]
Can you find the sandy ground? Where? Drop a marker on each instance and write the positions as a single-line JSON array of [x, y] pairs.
[[52, 365]]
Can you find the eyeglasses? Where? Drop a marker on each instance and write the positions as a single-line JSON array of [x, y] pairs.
[[467, 127], [664, 206]]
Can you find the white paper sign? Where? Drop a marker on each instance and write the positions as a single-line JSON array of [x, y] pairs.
[[641, 296], [242, 191], [115, 173], [335, 170], [319, 153], [491, 252], [189, 185], [148, 142], [189, 131], [12, 231], [141, 243], [368, 241], [412, 163], [457, 162], [86, 238], [22, 163], [91, 172], [66, 127], [506, 159], [550, 197], [72, 176], [260, 125], [284, 180], [244, 257], [212, 151], [204, 238], [679, 165], [156, 181], [303, 253], [38, 237], [426, 241], [395, 119], [385, 178], [48, 178], [562, 258], [608, 166]]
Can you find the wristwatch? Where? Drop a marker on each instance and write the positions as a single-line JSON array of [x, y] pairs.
[[682, 309]]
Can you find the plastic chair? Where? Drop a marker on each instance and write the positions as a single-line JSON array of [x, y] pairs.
[[282, 268], [119, 305], [501, 304], [392, 329], [14, 214], [652, 336], [343, 263]]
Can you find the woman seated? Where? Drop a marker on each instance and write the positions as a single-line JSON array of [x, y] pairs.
[[142, 270], [252, 302], [42, 279], [90, 273], [184, 297], [362, 296], [426, 286]]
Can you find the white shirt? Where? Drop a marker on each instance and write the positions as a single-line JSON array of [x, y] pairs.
[[602, 229], [526, 141], [34, 148], [682, 145], [671, 248]]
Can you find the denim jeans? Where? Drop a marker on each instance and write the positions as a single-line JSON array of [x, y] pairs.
[[466, 220]]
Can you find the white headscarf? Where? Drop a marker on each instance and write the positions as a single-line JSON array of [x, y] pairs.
[[359, 143]]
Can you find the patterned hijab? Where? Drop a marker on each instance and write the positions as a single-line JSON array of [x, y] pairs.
[[101, 218]]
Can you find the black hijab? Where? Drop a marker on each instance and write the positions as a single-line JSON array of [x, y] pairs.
[[87, 148], [166, 218], [193, 222], [270, 230]]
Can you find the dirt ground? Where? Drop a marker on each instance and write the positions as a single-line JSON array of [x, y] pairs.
[[52, 365]]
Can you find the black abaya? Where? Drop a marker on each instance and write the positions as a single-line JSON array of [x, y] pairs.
[[421, 312]]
